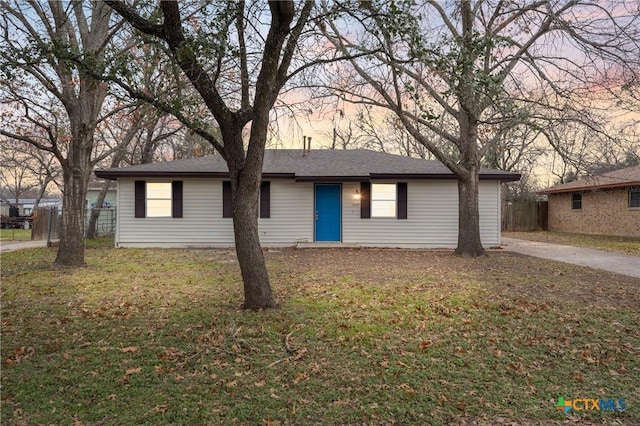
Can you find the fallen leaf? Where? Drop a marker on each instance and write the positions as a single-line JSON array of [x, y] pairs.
[[130, 349], [424, 344], [161, 408], [133, 371], [299, 377]]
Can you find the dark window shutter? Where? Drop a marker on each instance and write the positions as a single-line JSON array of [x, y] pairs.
[[176, 198], [140, 198], [365, 200], [401, 189], [227, 199], [265, 200]]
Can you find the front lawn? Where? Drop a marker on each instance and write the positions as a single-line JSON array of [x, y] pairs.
[[362, 337], [624, 245]]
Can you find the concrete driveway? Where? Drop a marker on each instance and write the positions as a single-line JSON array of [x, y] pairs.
[[597, 259], [19, 245]]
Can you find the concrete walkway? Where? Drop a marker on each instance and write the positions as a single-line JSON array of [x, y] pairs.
[[6, 246], [597, 259]]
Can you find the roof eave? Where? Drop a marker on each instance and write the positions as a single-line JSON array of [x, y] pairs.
[[115, 174], [591, 187], [501, 177], [483, 176]]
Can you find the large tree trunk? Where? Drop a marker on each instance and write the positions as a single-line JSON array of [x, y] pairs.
[[469, 243], [76, 170], [71, 249], [245, 187]]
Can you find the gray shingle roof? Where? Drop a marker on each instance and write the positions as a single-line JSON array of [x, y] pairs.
[[319, 164]]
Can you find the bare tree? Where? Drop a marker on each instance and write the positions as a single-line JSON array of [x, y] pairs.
[[55, 96], [237, 63], [25, 170], [190, 145], [464, 70]]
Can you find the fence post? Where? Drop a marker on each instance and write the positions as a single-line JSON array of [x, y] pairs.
[[49, 225]]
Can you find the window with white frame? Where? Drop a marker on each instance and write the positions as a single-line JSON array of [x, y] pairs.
[[634, 198], [383, 200], [158, 199]]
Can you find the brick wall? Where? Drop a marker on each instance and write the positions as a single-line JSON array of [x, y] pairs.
[[604, 212]]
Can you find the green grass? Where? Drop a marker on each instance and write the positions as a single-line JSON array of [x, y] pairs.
[[15, 234], [624, 245], [362, 337]]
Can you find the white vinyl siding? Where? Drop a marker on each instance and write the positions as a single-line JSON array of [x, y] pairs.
[[291, 214], [432, 220], [202, 224], [432, 217]]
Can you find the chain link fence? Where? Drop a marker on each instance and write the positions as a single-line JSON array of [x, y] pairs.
[[105, 225], [44, 225]]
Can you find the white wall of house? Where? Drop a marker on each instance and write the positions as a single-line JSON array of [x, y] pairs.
[[432, 217], [202, 224]]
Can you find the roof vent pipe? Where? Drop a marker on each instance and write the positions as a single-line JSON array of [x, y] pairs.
[[304, 145], [309, 142]]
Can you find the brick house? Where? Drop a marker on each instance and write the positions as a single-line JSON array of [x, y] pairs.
[[606, 204]]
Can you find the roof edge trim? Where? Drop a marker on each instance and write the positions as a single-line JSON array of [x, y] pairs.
[[591, 187]]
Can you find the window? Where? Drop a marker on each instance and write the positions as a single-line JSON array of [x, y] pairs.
[[383, 200], [634, 198], [158, 199], [576, 201]]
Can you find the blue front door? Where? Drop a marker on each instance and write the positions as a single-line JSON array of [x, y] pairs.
[[328, 212]]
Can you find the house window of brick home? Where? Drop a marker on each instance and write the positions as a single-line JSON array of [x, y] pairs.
[[576, 201], [634, 198]]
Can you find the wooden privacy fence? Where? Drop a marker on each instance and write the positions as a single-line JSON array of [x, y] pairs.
[[525, 216], [46, 224]]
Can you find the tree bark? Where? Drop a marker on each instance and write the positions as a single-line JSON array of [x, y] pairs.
[[245, 185], [76, 170], [71, 249], [469, 243]]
